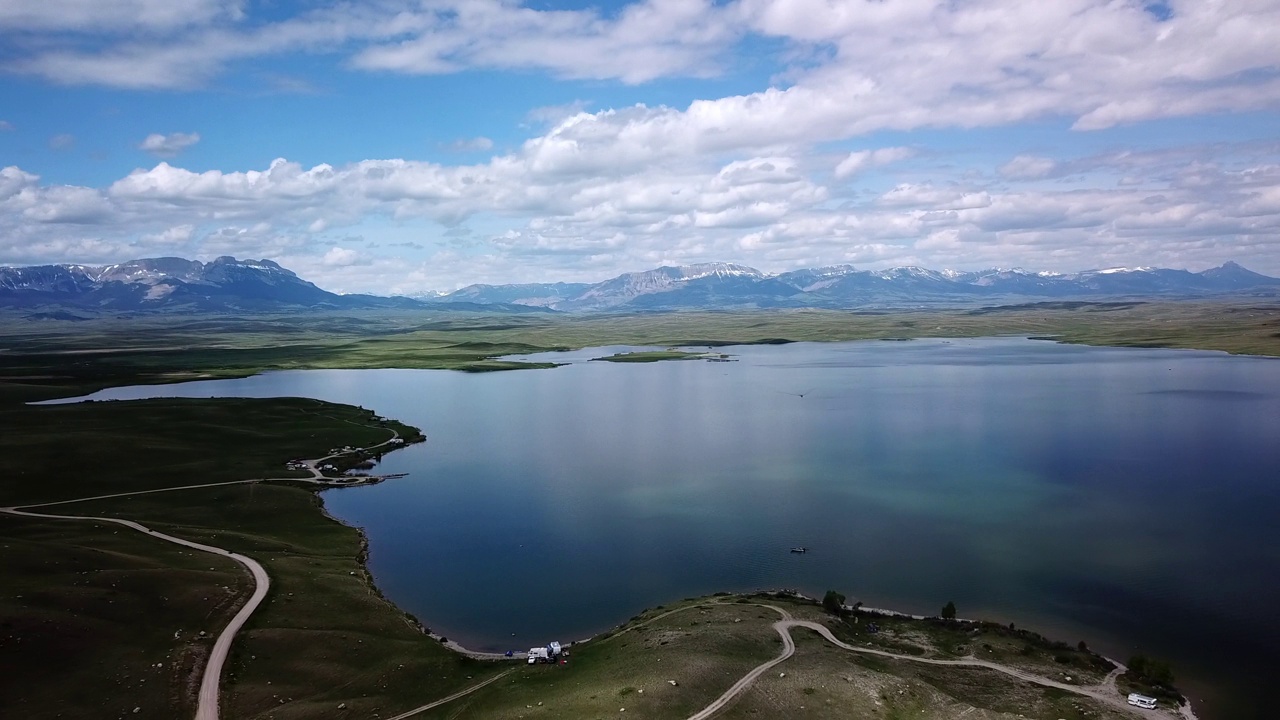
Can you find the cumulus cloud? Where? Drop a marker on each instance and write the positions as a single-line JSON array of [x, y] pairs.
[[1028, 167], [860, 160], [770, 210], [555, 114], [117, 15], [740, 177], [340, 257], [887, 65], [168, 145], [177, 235]]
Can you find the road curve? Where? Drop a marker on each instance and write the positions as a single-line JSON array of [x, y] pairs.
[[210, 682], [788, 649], [451, 698], [783, 628], [207, 707]]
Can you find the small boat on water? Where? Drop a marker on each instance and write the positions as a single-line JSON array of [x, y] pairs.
[[799, 550]]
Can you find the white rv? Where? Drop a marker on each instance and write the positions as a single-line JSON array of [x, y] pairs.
[[1142, 701], [548, 654]]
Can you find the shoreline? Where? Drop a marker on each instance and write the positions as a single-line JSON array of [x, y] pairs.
[[362, 556], [318, 483]]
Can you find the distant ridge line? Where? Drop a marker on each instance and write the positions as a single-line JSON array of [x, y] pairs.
[[227, 284]]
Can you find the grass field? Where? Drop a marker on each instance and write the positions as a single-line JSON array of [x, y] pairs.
[[705, 644], [43, 358], [648, 356], [99, 620]]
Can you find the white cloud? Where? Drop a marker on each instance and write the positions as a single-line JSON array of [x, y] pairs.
[[646, 40], [6, 126], [63, 141], [739, 177], [556, 114], [340, 257], [168, 145], [860, 160], [177, 235], [14, 180], [892, 65], [117, 15], [564, 223], [1028, 167]]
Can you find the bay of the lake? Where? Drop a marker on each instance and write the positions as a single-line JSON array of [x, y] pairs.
[[1129, 498]]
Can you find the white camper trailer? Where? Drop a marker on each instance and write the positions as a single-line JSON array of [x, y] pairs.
[[1142, 701], [548, 654]]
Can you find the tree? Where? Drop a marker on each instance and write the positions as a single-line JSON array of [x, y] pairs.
[[833, 602], [949, 611]]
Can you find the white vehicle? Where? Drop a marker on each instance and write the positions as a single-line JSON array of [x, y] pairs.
[[1142, 701], [548, 654]]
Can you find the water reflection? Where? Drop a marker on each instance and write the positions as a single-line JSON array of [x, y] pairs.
[[1125, 497]]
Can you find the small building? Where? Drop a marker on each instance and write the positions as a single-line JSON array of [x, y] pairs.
[[1142, 701]]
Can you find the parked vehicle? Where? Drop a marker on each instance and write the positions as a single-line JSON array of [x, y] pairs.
[[1142, 701]]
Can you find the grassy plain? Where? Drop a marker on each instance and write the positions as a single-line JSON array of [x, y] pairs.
[[39, 356], [648, 356], [98, 620], [705, 644]]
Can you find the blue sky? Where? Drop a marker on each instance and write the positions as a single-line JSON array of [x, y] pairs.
[[397, 146]]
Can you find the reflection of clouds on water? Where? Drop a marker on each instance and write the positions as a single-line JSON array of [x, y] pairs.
[[1032, 479]]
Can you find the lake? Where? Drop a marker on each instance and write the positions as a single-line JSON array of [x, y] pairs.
[[1125, 497]]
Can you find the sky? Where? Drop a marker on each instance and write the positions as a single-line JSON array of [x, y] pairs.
[[398, 146]]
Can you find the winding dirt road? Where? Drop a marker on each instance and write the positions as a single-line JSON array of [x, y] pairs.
[[207, 708], [1105, 692], [210, 682]]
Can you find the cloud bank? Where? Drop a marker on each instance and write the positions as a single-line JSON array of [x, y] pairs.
[[785, 176]]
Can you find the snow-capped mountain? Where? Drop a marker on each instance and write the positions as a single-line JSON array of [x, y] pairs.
[[531, 294], [726, 285], [629, 286], [170, 283], [249, 285]]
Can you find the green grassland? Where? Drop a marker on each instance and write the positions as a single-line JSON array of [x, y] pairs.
[[648, 356], [702, 645], [324, 637], [98, 620], [705, 644], [40, 357]]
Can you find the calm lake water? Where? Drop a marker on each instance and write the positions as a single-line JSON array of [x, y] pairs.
[[1129, 498]]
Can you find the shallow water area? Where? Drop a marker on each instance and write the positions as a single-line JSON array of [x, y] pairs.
[[1126, 497]]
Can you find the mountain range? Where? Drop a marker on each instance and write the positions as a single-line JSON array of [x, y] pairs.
[[227, 284], [174, 284], [729, 286]]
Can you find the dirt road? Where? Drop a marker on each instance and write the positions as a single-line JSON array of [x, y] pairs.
[[210, 683], [207, 708], [1104, 692]]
